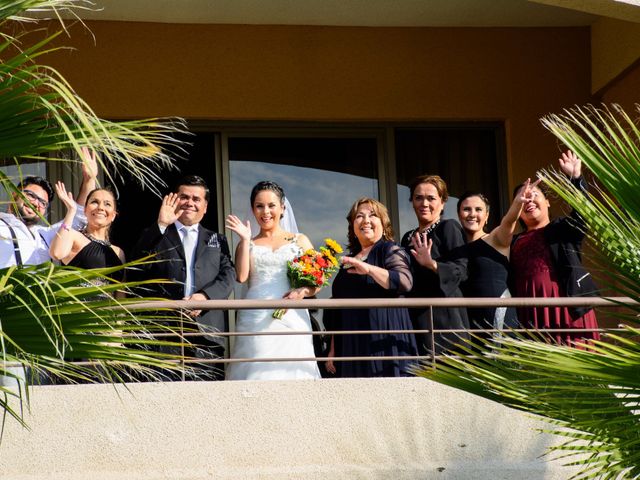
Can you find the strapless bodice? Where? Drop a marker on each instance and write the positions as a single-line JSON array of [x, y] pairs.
[[268, 275]]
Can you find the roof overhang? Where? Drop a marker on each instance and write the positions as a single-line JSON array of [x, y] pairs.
[[366, 13]]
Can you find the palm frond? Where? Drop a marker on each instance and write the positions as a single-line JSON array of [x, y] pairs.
[[590, 397], [50, 315], [53, 315], [606, 139], [40, 113], [19, 10], [614, 233]]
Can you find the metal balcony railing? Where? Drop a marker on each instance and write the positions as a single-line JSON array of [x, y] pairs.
[[429, 303], [315, 304]]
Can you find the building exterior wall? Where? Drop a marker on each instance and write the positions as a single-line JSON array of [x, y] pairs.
[[336, 74], [615, 46], [396, 429], [625, 90]]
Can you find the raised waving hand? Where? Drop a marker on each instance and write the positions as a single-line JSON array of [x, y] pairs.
[[169, 210], [570, 164]]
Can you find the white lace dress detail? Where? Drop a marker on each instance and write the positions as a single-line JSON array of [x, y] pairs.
[[268, 280]]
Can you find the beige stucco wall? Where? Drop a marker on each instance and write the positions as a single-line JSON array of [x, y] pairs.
[[340, 429], [625, 91], [336, 74], [615, 46]]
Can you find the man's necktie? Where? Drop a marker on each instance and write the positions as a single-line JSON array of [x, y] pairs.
[[189, 244]]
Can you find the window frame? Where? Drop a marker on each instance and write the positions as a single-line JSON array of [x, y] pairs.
[[383, 132]]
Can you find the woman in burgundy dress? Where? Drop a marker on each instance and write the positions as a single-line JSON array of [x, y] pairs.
[[546, 262]]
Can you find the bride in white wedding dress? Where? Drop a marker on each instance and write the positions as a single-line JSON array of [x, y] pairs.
[[262, 260]]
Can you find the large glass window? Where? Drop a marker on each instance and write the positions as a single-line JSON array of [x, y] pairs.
[[468, 159], [324, 170], [321, 177]]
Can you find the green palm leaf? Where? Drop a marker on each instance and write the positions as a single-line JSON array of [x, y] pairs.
[[40, 114], [50, 315], [591, 397], [15, 9]]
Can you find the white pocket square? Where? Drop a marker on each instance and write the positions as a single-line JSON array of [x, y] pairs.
[[214, 241]]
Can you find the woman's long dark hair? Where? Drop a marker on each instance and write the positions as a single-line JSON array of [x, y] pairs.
[[115, 204]]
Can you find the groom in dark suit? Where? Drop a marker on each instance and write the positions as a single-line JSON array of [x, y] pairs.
[[195, 258]]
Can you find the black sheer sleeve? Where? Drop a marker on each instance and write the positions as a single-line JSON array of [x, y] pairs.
[[397, 262]]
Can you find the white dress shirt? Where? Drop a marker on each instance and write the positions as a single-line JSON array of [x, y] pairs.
[[189, 254], [32, 248], [33, 242]]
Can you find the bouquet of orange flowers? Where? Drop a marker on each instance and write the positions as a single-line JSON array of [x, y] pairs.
[[313, 268]]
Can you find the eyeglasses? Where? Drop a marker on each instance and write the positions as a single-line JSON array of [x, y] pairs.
[[35, 199]]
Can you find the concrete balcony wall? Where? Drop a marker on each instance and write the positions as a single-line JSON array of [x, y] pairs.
[[361, 428]]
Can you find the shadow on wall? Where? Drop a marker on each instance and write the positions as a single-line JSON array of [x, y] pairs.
[[348, 428]]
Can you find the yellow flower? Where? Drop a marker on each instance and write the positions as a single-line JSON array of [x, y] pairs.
[[332, 259], [333, 245]]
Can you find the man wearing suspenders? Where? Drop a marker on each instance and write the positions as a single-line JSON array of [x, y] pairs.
[[23, 239]]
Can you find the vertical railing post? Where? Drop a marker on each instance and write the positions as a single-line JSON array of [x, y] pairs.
[[184, 376], [433, 337]]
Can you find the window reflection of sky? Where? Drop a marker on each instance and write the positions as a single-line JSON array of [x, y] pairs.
[[320, 198], [15, 173]]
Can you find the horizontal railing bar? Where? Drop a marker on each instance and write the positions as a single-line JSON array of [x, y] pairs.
[[331, 303], [275, 359], [278, 359], [305, 359], [600, 302], [356, 332]]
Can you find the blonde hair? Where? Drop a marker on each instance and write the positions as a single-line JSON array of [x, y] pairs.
[[435, 180], [382, 213]]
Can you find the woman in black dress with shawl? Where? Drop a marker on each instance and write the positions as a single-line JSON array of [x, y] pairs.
[[437, 272], [377, 268]]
